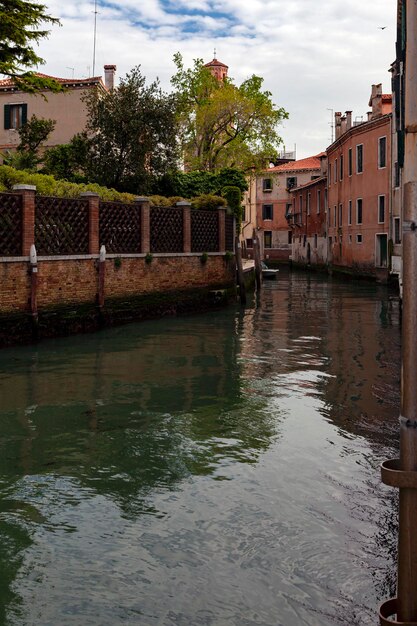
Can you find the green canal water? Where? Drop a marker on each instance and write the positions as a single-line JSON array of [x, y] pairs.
[[220, 469]]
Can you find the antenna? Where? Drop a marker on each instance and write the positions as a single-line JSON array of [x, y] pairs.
[[95, 35], [214, 53], [331, 123], [71, 68]]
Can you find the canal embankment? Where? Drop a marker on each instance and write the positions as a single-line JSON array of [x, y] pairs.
[[75, 265]]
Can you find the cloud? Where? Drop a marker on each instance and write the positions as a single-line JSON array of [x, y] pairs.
[[313, 56]]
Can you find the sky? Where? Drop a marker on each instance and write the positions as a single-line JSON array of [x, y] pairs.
[[316, 57]]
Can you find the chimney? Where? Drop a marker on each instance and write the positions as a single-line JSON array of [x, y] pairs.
[[369, 114], [348, 120], [343, 128], [338, 125], [109, 74], [375, 100]]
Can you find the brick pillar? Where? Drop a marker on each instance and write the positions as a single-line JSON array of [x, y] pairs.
[[145, 224], [93, 221], [186, 213], [222, 230], [28, 216]]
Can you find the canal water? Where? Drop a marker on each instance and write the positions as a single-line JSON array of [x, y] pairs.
[[220, 469]]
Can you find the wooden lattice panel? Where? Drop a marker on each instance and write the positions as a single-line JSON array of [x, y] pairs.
[[120, 227], [61, 226], [204, 231], [10, 224], [167, 228], [230, 244]]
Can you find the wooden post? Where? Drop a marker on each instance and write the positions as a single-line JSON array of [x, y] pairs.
[[257, 258], [239, 266], [101, 276]]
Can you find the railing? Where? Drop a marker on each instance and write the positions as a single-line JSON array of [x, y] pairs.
[[10, 224], [120, 227], [61, 226]]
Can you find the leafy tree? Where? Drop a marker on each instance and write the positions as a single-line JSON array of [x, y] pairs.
[[233, 196], [32, 135], [68, 161], [132, 134], [223, 125], [20, 28], [190, 184]]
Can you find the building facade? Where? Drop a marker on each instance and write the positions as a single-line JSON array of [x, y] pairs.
[[359, 191], [67, 108]]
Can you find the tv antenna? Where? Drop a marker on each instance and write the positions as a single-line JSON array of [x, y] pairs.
[[95, 35], [331, 123], [71, 68]]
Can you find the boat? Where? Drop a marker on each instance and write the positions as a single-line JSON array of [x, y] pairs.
[[268, 272]]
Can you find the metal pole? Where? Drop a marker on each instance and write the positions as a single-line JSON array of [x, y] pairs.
[[403, 473], [257, 259]]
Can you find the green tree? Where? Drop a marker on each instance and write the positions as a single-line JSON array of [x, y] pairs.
[[223, 125], [21, 25], [32, 135], [132, 134], [233, 196], [68, 161], [191, 184]]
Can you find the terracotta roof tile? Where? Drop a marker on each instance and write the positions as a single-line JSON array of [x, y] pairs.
[[310, 163], [215, 63], [9, 82]]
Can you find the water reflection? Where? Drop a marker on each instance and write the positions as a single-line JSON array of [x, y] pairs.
[[205, 470]]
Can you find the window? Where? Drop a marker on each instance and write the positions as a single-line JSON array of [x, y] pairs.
[[340, 214], [350, 212], [381, 209], [397, 231], [350, 238], [318, 200], [288, 209], [329, 174], [359, 211], [335, 171], [341, 167], [267, 211], [315, 240], [290, 237], [304, 240], [308, 203], [382, 152], [359, 158], [249, 243], [291, 182], [335, 216], [267, 239], [243, 213], [358, 238], [267, 184], [300, 205], [350, 162], [15, 115]]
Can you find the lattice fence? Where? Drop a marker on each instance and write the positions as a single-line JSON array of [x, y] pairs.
[[230, 243], [167, 229], [61, 226], [120, 227], [10, 224], [204, 231]]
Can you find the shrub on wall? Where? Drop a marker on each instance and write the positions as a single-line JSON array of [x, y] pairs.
[[207, 202]]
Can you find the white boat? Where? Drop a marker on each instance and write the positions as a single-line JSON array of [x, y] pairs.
[[267, 272]]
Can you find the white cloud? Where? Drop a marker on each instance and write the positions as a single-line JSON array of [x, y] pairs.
[[314, 56]]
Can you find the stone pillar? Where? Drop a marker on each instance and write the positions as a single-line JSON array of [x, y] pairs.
[[222, 230], [143, 205], [186, 212], [93, 221], [28, 216]]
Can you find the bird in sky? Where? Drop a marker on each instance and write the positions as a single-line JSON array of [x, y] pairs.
[[382, 27]]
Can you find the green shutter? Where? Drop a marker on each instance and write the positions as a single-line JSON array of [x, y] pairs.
[[24, 113], [7, 116]]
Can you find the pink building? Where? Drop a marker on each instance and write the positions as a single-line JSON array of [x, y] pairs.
[[67, 108], [274, 202], [359, 170], [307, 219]]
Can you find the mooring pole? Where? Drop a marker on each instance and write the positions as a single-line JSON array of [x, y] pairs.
[[101, 276], [402, 473], [257, 257], [239, 271], [33, 260]]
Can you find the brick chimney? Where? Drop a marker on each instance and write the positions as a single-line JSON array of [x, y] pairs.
[[109, 74], [348, 120], [375, 100], [338, 124]]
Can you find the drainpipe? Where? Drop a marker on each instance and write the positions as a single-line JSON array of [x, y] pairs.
[[402, 473]]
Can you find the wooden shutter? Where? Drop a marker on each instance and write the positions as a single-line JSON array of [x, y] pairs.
[[24, 113], [7, 116]]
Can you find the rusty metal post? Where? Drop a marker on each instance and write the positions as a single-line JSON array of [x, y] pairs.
[[402, 473], [33, 260]]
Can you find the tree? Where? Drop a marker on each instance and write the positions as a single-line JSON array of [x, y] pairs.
[[32, 135], [191, 184], [132, 134], [20, 23], [223, 125], [68, 161]]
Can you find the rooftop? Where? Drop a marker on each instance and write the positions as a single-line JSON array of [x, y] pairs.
[[9, 82], [310, 163]]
